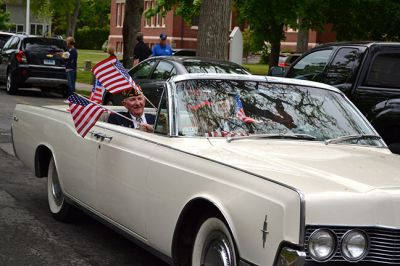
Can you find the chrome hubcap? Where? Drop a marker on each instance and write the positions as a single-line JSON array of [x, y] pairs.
[[217, 250], [56, 190], [8, 85]]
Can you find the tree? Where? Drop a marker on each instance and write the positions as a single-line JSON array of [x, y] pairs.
[[213, 30], [132, 23], [4, 17], [213, 34], [267, 19]]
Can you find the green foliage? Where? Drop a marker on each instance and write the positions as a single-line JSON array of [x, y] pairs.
[[265, 16], [248, 42], [365, 19], [95, 14], [4, 18], [91, 38], [184, 8]]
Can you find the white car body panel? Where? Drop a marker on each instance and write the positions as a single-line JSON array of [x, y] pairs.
[[141, 182]]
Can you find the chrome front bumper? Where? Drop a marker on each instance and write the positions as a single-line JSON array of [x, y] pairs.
[[290, 257]]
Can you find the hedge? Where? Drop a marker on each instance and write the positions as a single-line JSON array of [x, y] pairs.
[[93, 39]]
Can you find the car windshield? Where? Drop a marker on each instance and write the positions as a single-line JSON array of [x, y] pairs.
[[44, 44], [224, 108], [197, 66]]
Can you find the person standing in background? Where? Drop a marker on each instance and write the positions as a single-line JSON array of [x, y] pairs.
[[162, 48], [71, 57], [141, 51]]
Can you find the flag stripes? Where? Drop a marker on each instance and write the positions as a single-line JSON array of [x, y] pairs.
[[84, 113]]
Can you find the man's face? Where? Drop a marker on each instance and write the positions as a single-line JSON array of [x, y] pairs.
[[135, 105], [163, 42]]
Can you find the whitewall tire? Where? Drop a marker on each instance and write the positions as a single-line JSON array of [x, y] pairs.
[[58, 207], [214, 245]]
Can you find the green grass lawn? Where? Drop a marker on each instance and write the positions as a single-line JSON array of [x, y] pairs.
[[257, 69], [94, 56]]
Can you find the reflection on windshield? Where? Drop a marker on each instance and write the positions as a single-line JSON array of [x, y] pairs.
[[222, 108]]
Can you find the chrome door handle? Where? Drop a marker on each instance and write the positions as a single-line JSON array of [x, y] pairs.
[[100, 136]]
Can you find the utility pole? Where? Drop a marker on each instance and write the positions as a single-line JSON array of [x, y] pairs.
[[28, 9]]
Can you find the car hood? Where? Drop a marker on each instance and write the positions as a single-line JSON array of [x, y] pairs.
[[311, 167]]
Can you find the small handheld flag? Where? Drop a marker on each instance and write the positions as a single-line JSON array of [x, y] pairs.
[[84, 113]]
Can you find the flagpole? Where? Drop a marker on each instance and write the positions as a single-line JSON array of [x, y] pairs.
[[102, 106]]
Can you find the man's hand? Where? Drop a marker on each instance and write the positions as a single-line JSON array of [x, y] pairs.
[[146, 128]]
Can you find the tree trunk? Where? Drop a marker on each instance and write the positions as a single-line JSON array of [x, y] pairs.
[[132, 23], [213, 34], [302, 38], [277, 34], [73, 18]]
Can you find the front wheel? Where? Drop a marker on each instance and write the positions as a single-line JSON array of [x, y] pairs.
[[58, 207], [214, 244]]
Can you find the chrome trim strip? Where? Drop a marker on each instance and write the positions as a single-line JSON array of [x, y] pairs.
[[291, 257], [45, 80], [42, 66]]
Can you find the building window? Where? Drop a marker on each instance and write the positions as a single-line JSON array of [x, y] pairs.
[[195, 22], [36, 29], [19, 28], [157, 21], [120, 15]]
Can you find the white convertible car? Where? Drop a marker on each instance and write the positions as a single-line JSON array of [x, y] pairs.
[[241, 170]]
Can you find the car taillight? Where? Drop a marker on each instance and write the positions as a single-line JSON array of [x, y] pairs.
[[21, 57]]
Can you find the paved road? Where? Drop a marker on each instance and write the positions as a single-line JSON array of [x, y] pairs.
[[28, 233]]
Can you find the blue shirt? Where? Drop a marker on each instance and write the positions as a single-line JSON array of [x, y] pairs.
[[159, 50]]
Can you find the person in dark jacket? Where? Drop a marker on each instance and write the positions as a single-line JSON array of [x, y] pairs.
[[134, 102], [141, 50], [71, 58]]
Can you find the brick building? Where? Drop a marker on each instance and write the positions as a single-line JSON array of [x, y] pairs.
[[181, 35]]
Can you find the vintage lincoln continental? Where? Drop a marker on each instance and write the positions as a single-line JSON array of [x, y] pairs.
[[240, 170]]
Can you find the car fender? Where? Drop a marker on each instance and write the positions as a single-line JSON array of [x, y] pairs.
[[385, 113]]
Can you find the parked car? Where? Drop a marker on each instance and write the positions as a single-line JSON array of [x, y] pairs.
[[246, 171], [4, 36], [31, 61], [285, 60], [184, 52], [367, 72], [154, 71]]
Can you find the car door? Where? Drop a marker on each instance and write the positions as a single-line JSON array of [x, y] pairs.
[[123, 159], [341, 71], [380, 82], [311, 66], [6, 53]]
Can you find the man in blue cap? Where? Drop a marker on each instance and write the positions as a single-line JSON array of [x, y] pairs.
[[162, 48]]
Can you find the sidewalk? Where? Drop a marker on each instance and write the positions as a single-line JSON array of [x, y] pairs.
[[83, 86]]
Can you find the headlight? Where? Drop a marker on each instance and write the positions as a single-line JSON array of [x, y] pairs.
[[354, 245], [322, 244]]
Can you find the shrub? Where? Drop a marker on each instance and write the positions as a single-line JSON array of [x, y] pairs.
[[87, 38]]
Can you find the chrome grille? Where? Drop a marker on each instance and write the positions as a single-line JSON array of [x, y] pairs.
[[384, 243]]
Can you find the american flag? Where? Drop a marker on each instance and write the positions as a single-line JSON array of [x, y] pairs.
[[84, 113], [240, 112], [113, 76], [97, 92]]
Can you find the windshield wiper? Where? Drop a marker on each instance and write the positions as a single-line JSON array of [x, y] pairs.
[[351, 137], [273, 136]]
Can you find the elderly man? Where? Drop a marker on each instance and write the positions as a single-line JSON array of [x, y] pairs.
[[134, 102]]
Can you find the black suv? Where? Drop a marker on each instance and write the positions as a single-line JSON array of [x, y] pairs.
[[367, 72], [29, 61]]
